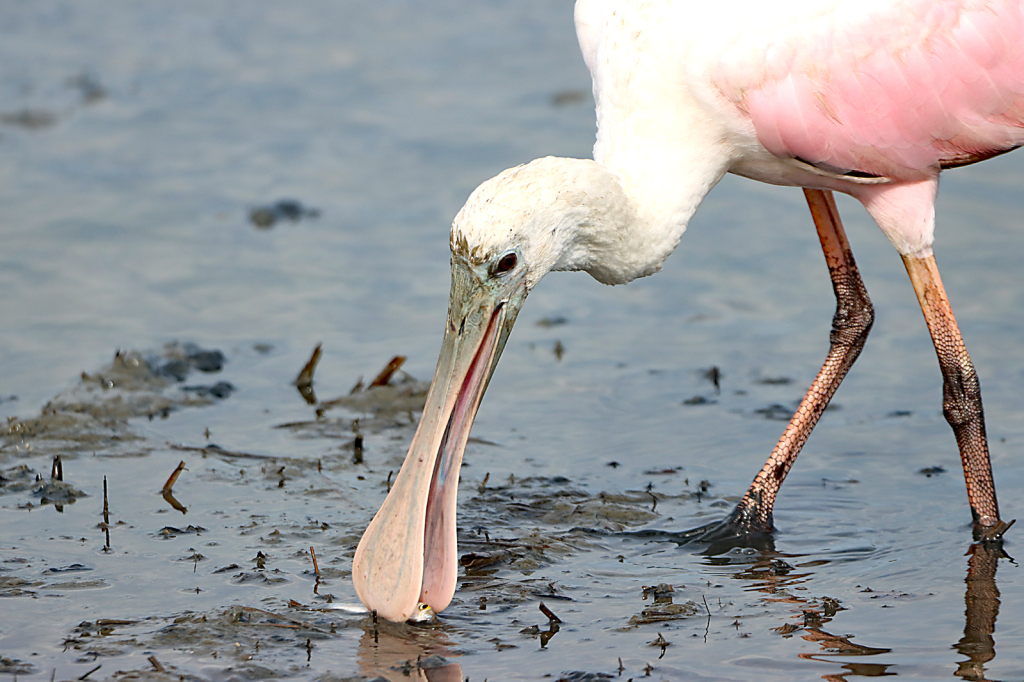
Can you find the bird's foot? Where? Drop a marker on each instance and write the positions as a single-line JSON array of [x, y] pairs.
[[992, 534], [727, 534], [742, 528]]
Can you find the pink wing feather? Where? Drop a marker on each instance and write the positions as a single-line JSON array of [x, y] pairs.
[[893, 89]]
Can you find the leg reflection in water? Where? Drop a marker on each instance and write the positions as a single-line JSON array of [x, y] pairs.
[[982, 601], [977, 644], [771, 574]]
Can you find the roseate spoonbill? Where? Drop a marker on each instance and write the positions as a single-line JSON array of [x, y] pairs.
[[868, 97]]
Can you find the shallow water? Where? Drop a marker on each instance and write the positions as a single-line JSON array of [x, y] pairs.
[[135, 140]]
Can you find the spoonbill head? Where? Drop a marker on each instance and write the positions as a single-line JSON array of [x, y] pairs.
[[550, 214]]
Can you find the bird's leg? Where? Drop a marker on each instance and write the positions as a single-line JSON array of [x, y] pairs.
[[961, 396], [850, 326]]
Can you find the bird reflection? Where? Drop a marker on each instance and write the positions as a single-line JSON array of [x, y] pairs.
[[406, 652]]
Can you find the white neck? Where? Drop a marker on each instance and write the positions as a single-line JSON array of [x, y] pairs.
[[666, 175], [661, 129], [633, 219]]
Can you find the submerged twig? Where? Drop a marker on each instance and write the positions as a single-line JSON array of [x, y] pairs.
[[91, 672], [290, 626], [293, 622], [488, 541], [217, 450]]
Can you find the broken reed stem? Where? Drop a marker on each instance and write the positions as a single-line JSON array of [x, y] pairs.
[[157, 666], [106, 517], [304, 382], [316, 567], [106, 504], [357, 443], [174, 477], [385, 374], [708, 626], [549, 613], [305, 377], [57, 470]]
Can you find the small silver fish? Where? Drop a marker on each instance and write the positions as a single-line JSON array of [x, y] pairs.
[[424, 614]]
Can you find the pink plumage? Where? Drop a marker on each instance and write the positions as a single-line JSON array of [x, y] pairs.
[[894, 92]]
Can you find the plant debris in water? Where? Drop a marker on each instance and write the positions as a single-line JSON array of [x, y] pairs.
[[288, 210], [257, 585]]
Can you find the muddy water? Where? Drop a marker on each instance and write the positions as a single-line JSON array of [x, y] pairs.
[[136, 142]]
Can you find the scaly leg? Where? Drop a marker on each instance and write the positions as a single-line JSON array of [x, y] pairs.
[[961, 396], [850, 326]]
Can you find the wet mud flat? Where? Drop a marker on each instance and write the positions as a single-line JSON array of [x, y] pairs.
[[128, 557], [257, 177]]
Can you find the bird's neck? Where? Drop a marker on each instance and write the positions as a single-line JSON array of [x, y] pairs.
[[666, 156], [632, 220]]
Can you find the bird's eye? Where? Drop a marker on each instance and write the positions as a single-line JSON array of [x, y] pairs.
[[507, 263]]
